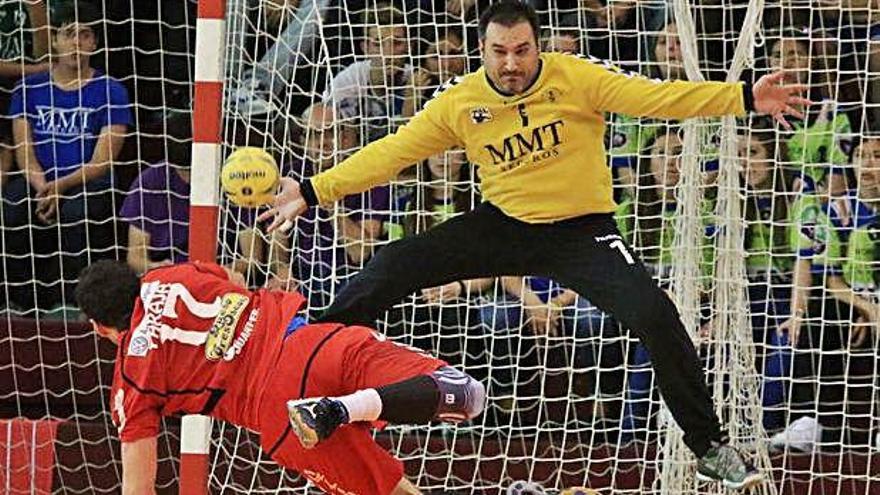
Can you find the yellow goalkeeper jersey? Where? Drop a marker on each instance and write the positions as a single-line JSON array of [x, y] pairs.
[[540, 154]]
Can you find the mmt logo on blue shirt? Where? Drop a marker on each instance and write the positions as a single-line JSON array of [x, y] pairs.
[[70, 122]]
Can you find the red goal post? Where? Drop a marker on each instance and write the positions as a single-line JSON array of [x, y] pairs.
[[204, 206]]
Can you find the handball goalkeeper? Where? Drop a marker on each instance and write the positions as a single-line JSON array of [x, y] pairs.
[[534, 125]]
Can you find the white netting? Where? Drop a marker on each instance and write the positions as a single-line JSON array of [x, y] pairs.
[[579, 409], [54, 374], [722, 211]]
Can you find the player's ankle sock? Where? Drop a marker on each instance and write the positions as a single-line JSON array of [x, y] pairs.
[[412, 401], [363, 405]]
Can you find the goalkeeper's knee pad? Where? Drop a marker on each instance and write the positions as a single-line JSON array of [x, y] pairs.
[[461, 397]]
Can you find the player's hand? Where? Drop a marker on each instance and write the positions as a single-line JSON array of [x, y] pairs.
[[421, 78], [792, 327], [706, 330], [459, 7], [443, 293], [865, 325], [861, 330], [282, 282], [235, 276], [843, 210], [47, 203], [544, 319], [777, 99], [289, 204], [159, 264]]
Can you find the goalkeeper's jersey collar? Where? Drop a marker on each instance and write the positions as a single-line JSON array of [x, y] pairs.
[[508, 98]]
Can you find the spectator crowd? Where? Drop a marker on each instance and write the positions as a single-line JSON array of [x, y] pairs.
[[95, 162]]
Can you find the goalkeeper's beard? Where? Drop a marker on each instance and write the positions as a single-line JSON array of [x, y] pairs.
[[511, 82]]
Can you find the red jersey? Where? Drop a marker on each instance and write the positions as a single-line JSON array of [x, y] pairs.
[[197, 344]]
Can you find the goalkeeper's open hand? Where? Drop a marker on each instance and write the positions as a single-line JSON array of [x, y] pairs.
[[289, 204], [775, 98]]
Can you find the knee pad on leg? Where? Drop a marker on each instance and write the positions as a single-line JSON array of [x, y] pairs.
[[461, 397]]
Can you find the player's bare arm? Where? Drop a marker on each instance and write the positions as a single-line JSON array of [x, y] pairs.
[[235, 277], [405, 487], [139, 467]]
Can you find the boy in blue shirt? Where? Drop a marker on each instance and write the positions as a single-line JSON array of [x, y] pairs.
[[68, 126]]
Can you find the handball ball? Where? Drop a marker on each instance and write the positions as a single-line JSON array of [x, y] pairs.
[[579, 490], [250, 177], [524, 488]]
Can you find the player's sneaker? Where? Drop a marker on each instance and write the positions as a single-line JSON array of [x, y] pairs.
[[313, 420], [802, 435], [726, 464]]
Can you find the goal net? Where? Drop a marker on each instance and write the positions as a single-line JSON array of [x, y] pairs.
[[757, 232]]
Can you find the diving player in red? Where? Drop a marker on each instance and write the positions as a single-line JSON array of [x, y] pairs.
[[193, 339]]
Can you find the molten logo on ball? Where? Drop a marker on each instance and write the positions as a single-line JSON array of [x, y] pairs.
[[247, 174], [250, 177]]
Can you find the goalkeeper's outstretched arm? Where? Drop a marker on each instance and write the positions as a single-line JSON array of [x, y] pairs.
[[631, 94], [425, 135]]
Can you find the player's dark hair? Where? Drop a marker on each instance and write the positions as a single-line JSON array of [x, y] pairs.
[[75, 12], [509, 13], [107, 291]]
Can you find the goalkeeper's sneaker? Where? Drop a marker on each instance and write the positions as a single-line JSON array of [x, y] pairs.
[[726, 464], [313, 420]]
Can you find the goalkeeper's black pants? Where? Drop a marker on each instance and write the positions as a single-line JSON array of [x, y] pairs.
[[585, 254]]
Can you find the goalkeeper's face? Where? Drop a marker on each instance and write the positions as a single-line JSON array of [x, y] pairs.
[[510, 56]]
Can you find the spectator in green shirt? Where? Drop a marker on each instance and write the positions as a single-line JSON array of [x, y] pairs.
[[766, 194], [655, 207], [835, 311], [821, 143], [628, 135], [654, 239]]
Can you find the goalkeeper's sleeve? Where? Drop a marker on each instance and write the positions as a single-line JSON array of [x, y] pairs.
[[614, 90], [426, 134]]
